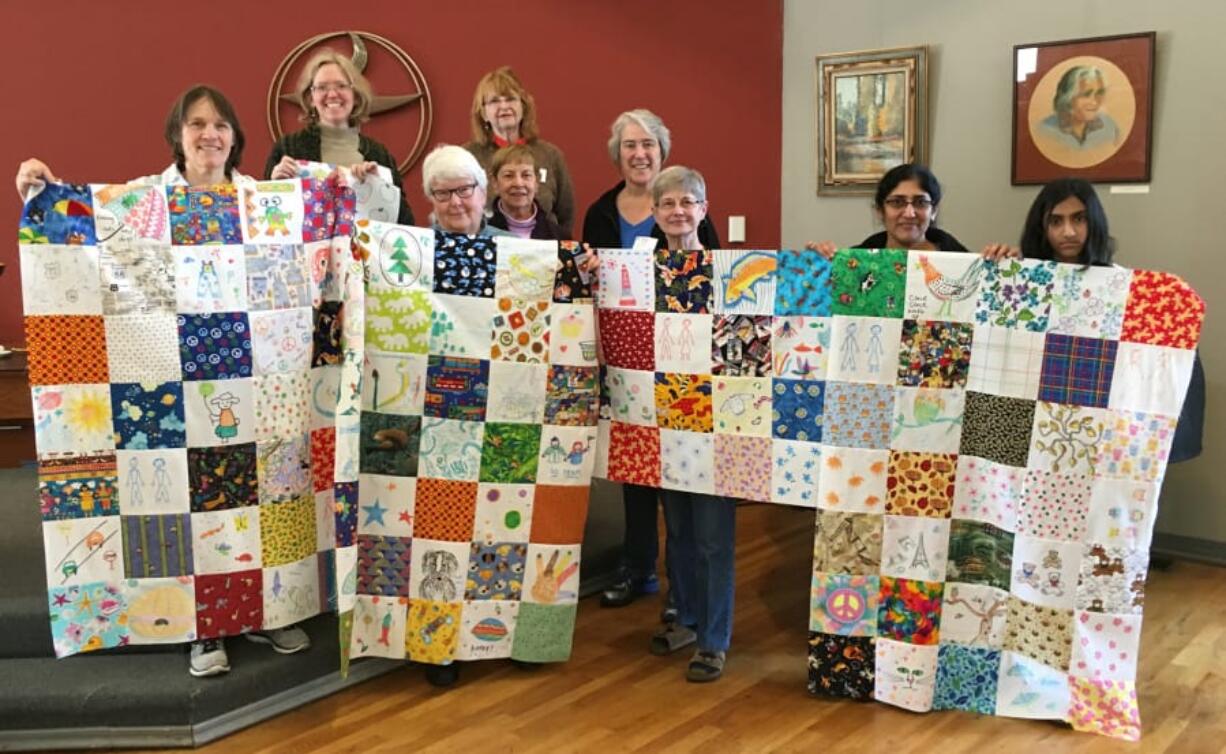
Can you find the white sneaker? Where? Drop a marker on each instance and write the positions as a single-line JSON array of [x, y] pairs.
[[209, 658], [284, 641]]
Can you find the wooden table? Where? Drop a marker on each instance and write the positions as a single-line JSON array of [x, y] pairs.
[[16, 412]]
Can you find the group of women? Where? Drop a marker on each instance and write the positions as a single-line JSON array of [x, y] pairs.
[[508, 181]]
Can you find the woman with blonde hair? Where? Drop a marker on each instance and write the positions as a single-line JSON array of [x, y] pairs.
[[335, 98]]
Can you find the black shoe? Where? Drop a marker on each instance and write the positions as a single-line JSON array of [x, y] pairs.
[[526, 666], [442, 676], [629, 589], [668, 614]]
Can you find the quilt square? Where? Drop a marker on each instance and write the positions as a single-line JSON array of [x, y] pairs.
[[626, 281], [572, 396], [390, 444], [136, 278], [943, 285], [433, 632], [1054, 506], [465, 265], [847, 543], [800, 346], [287, 531], [72, 418], [683, 401], [741, 346], [323, 458], [559, 514], [66, 350], [61, 213], [377, 627], [209, 279], [841, 666], [1077, 371], [1112, 580], [853, 479], [344, 500], [634, 454], [62, 280], [1135, 445], [858, 415], [281, 409], [398, 320], [743, 406], [1153, 379], [921, 484], [1041, 633], [934, 354], [980, 553], [803, 284], [394, 383], [215, 346], [444, 510], [906, 674], [148, 417], [277, 276], [687, 461], [143, 348], [1017, 293], [864, 349], [1162, 310], [223, 412], [570, 283], [292, 592], [1089, 301], [543, 633], [745, 467], [451, 449], [843, 604], [1045, 572], [281, 340], [517, 392], [496, 571], [161, 611], [387, 504], [909, 610], [157, 546], [744, 281], [78, 551], [566, 456], [521, 331], [795, 470], [869, 282], [1066, 439], [81, 618], [628, 339], [915, 548], [326, 348], [552, 574], [269, 209], [456, 388], [997, 428], [509, 453], [966, 679], [224, 477], [225, 541], [503, 513], [1006, 362], [572, 338], [1105, 647], [488, 629], [1122, 513], [632, 396], [683, 281], [683, 343], [383, 565], [928, 419], [228, 604], [79, 486], [526, 268], [974, 615], [1108, 708], [1029, 689], [201, 216]]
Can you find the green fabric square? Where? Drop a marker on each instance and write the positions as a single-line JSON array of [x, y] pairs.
[[870, 283], [543, 633], [509, 454]]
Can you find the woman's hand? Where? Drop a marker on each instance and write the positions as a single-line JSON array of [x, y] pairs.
[[286, 168], [32, 174], [825, 248], [997, 251], [592, 262], [362, 169]]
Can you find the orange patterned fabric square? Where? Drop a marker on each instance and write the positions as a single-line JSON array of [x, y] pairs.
[[920, 484], [634, 454], [445, 510], [1162, 310], [67, 350], [683, 401], [558, 514]]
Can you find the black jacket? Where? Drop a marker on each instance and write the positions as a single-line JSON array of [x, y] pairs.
[[305, 145], [601, 228], [939, 238]]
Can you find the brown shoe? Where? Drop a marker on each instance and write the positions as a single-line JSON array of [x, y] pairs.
[[706, 666]]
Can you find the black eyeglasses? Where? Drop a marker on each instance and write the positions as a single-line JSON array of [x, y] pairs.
[[444, 195], [920, 203]]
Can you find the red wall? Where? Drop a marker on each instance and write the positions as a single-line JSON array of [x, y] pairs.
[[89, 85]]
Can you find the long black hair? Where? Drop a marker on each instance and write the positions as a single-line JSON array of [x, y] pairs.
[[1099, 247], [178, 114]]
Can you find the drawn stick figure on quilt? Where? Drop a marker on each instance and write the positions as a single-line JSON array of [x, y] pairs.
[[851, 347], [135, 483]]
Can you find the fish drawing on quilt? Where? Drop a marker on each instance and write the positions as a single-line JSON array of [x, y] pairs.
[[746, 273]]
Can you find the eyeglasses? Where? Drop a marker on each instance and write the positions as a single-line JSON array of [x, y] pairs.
[[687, 204], [444, 195], [501, 101], [647, 144], [330, 88], [920, 203]]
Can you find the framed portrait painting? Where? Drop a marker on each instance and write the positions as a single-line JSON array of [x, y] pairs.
[[872, 115], [1084, 108]]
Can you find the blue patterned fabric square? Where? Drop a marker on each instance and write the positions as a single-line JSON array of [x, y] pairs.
[[62, 213], [464, 265], [345, 496], [1077, 371], [457, 388], [496, 571], [200, 216], [802, 284], [157, 546], [966, 678], [215, 346], [796, 412], [148, 417]]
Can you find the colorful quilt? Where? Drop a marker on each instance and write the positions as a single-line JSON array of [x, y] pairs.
[[984, 444]]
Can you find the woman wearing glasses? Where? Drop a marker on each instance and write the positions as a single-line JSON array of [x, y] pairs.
[[455, 184], [504, 113], [335, 99]]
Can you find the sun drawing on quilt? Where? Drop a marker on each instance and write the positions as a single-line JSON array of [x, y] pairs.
[[88, 412]]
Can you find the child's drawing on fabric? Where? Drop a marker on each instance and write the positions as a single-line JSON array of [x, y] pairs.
[[843, 604], [943, 285], [906, 674], [626, 281], [1162, 310], [847, 543], [800, 346], [1066, 438], [802, 284], [291, 593], [517, 392], [83, 550], [487, 630], [1122, 513], [566, 456], [742, 406], [386, 505], [744, 281], [148, 416], [272, 211], [853, 479], [632, 396], [403, 257], [393, 383], [683, 281], [572, 396], [77, 486], [149, 481], [1029, 689], [683, 343], [61, 280], [281, 341], [795, 470], [1149, 378], [974, 614], [503, 513], [526, 269], [934, 354], [136, 278], [464, 265], [683, 401], [966, 679], [460, 326], [161, 611], [201, 216], [841, 665], [456, 388], [858, 415], [521, 331], [686, 460], [745, 467], [61, 213], [1112, 580], [1089, 301], [72, 418], [1133, 445], [277, 276], [741, 346], [1017, 293], [572, 337], [928, 419], [552, 576], [226, 540], [378, 627], [1006, 361], [1045, 571], [88, 617], [868, 282], [914, 548], [864, 349], [130, 212], [451, 449]]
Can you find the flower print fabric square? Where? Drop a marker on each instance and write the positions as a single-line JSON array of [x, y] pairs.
[[1108, 708], [66, 350], [915, 548], [509, 454], [634, 454], [997, 428], [741, 346], [687, 461], [921, 484], [795, 471], [744, 465], [1041, 633], [966, 679], [906, 674], [465, 265], [1112, 580], [62, 213], [390, 444], [847, 543], [200, 216], [683, 343], [1105, 647], [928, 419], [841, 666], [1066, 438], [909, 610], [974, 615], [743, 405], [843, 604], [1135, 445], [521, 331], [456, 388], [1077, 371], [148, 416], [858, 415], [1089, 301], [797, 410], [744, 281], [572, 396], [1006, 361], [1162, 310], [683, 281], [869, 282], [943, 285], [683, 401], [627, 339], [802, 285], [1054, 506], [215, 346], [853, 479], [223, 478], [980, 553], [800, 346], [864, 349], [1016, 293], [934, 354], [987, 491]]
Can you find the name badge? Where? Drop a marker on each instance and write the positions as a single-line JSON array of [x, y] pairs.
[[544, 175]]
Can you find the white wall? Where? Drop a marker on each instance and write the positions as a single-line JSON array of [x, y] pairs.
[[970, 93]]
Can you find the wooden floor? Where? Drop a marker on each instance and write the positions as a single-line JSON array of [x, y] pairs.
[[614, 696]]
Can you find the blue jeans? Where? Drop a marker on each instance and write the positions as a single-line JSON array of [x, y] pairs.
[[641, 542], [701, 543]]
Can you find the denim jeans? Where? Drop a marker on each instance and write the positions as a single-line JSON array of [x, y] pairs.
[[701, 541], [641, 542]]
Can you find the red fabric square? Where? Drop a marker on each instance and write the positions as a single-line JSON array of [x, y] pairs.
[[628, 339], [634, 454], [67, 350], [228, 604], [323, 457], [1162, 310], [444, 510]]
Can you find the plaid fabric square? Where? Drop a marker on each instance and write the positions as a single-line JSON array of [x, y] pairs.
[[1077, 371], [66, 350], [1006, 361]]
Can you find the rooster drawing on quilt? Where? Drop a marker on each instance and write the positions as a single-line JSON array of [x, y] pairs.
[[949, 290]]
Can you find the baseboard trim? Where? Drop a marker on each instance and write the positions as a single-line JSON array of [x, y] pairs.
[[1191, 548]]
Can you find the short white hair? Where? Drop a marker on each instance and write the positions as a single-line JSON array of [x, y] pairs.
[[646, 120], [679, 178], [449, 162]]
